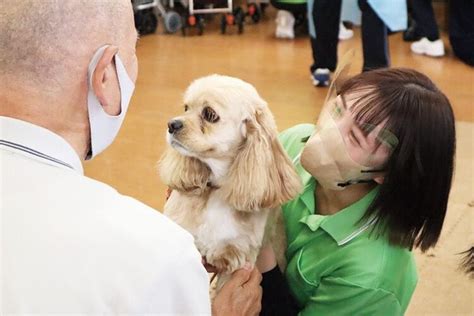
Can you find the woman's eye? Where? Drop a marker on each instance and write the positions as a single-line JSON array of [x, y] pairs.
[[186, 108], [354, 138], [210, 115]]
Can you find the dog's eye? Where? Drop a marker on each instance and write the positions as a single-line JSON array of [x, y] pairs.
[[210, 115], [186, 108]]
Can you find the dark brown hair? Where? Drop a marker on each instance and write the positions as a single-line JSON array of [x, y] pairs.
[[412, 201]]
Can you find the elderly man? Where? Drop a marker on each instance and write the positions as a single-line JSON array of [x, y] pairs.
[[71, 244]]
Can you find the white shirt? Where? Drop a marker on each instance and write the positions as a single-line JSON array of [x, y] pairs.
[[70, 244]]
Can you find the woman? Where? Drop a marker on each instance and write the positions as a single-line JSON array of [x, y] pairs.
[[377, 17], [376, 172], [430, 43]]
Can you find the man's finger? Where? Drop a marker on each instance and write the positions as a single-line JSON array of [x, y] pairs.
[[239, 278], [255, 278], [210, 269]]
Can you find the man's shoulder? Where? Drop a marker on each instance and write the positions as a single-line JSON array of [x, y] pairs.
[[131, 211], [80, 204], [99, 206]]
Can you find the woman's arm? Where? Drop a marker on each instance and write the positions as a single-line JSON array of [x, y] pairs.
[[276, 299]]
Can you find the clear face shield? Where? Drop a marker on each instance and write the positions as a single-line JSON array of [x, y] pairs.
[[342, 150]]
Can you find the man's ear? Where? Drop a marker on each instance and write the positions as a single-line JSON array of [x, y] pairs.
[[105, 82], [379, 180]]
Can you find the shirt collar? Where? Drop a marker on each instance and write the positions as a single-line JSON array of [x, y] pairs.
[[38, 143], [344, 225]]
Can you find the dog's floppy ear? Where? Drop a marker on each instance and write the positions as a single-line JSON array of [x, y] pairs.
[[262, 175], [183, 173]]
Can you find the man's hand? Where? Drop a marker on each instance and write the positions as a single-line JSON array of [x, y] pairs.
[[241, 295], [209, 268]]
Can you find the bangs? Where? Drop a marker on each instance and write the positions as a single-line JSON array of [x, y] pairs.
[[372, 110], [378, 103]]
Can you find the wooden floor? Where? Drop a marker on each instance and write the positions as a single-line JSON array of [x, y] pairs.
[[279, 71]]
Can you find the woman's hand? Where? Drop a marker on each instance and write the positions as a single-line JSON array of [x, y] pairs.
[[241, 295]]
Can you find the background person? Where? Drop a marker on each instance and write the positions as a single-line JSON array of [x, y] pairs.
[[377, 16]]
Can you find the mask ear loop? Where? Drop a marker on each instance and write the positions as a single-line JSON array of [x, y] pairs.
[[345, 184], [373, 171], [350, 182]]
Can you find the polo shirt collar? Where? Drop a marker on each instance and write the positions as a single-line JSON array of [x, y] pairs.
[[38, 143], [342, 226]]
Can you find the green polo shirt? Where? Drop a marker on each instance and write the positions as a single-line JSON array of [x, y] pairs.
[[335, 265]]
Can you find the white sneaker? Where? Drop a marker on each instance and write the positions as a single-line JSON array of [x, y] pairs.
[[344, 33], [427, 47], [285, 22]]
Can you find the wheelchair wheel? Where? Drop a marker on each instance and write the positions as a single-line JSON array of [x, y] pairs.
[[172, 22], [223, 24], [254, 12], [146, 21], [184, 25], [200, 25], [239, 19]]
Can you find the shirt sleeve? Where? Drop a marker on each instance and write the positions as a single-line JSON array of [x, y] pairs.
[[292, 138], [335, 296], [276, 299]]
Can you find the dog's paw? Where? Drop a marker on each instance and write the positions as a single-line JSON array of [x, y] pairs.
[[226, 259]]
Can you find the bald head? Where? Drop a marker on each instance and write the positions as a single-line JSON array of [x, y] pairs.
[[46, 43]]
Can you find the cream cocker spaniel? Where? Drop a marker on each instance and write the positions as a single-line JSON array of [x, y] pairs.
[[227, 171]]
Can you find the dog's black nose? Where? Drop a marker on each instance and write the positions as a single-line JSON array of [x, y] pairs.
[[174, 126]]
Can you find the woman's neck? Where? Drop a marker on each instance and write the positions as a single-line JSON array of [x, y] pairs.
[[329, 202]]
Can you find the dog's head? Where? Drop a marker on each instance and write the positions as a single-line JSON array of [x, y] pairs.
[[213, 124], [226, 120]]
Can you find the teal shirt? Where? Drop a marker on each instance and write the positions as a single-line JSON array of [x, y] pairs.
[[335, 265]]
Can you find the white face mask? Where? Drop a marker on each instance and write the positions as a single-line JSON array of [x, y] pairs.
[[104, 127]]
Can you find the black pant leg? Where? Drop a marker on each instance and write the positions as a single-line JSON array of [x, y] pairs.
[[294, 8], [422, 11], [374, 39], [461, 29], [326, 16]]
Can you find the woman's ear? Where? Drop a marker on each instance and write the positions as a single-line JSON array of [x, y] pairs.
[[105, 82], [183, 173], [261, 175]]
